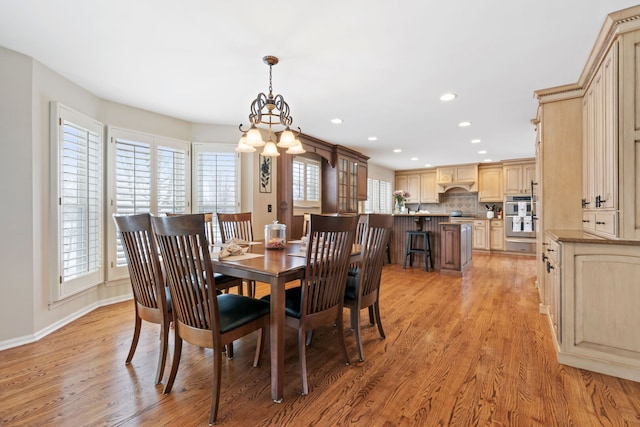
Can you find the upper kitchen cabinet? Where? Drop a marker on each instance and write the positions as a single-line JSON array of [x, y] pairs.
[[463, 176], [421, 185], [490, 187], [410, 183], [611, 135], [429, 187], [518, 177]]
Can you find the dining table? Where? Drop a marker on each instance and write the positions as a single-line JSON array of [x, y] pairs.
[[275, 267]]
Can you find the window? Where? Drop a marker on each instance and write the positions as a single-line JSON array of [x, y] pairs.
[[379, 196], [78, 198], [306, 182], [146, 174], [216, 180]]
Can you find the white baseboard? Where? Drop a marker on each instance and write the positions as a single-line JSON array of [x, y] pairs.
[[27, 339]]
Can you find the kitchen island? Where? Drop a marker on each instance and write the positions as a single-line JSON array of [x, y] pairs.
[[420, 221]]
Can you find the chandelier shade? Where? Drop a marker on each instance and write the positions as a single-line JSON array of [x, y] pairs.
[[271, 111]]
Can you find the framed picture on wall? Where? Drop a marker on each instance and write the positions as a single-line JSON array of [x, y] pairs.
[[265, 164]]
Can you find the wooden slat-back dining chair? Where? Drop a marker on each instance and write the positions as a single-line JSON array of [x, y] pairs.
[[223, 282], [306, 220], [200, 316], [237, 225], [363, 288], [149, 292], [319, 300]]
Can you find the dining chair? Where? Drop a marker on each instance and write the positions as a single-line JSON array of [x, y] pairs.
[[363, 287], [319, 298], [223, 282], [237, 225], [306, 220], [202, 317], [150, 295]]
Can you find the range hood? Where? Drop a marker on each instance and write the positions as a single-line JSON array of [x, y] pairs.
[[463, 176], [469, 186]]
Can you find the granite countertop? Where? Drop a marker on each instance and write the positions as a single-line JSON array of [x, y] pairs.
[[579, 236]]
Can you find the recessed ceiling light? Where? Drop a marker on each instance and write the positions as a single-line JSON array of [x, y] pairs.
[[448, 96], [414, 158], [476, 141], [397, 150], [373, 138], [427, 165], [464, 124], [482, 152], [336, 121], [487, 160]]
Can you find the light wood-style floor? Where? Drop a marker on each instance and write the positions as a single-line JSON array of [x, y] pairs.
[[458, 352]]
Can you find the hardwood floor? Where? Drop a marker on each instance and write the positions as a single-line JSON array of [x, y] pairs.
[[458, 352]]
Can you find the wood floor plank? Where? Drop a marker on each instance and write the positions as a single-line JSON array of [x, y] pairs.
[[459, 351]]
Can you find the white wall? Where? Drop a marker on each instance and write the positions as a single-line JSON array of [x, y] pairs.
[[27, 88], [17, 213]]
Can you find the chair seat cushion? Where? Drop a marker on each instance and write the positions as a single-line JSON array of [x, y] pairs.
[[291, 301], [350, 290], [353, 271], [237, 310]]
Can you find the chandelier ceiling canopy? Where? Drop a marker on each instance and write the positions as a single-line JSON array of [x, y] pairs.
[[271, 111]]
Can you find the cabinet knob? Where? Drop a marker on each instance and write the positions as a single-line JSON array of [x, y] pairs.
[[585, 220], [600, 222], [544, 257]]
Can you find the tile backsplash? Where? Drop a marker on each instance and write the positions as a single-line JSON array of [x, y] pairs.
[[457, 200]]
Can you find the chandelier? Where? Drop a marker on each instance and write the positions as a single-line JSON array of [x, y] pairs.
[[269, 110]]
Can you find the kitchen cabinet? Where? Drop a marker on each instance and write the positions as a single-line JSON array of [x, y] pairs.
[[455, 247], [362, 181], [347, 184], [518, 177], [496, 235], [463, 176], [490, 187], [600, 137], [593, 302], [551, 262], [411, 184], [428, 187], [480, 234]]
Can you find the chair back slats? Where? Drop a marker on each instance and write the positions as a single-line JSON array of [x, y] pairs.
[[142, 260], [330, 245], [185, 253], [374, 246], [236, 225]]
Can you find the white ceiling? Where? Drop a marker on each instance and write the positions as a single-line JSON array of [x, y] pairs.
[[379, 65]]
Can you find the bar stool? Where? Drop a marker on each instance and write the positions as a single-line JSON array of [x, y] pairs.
[[410, 249]]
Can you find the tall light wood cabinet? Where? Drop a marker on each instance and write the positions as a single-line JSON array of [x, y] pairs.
[[591, 290], [600, 149]]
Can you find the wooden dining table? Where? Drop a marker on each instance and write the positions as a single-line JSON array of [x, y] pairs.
[[275, 267]]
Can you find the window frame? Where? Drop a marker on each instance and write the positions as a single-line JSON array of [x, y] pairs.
[[199, 148], [115, 271], [61, 288]]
